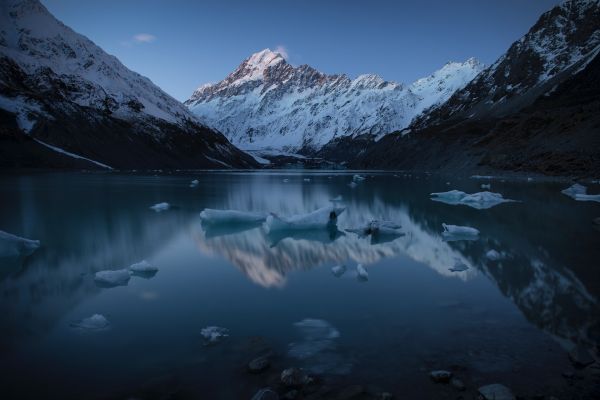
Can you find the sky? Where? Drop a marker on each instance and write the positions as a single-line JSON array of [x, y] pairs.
[[182, 44]]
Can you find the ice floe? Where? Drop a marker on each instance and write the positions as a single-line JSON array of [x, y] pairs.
[[316, 351], [143, 269], [486, 186], [495, 255], [479, 200], [306, 179], [456, 232], [211, 216], [321, 218], [96, 322], [338, 270], [575, 189], [353, 184], [112, 278], [587, 197], [194, 183], [459, 266], [15, 246], [358, 178], [336, 199], [160, 207], [361, 273], [214, 334]]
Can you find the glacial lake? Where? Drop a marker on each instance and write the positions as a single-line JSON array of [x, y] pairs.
[[511, 321]]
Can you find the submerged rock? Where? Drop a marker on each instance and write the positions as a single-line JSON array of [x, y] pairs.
[[265, 394], [14, 246], [441, 376], [495, 391], [458, 384], [580, 356], [293, 377], [259, 364]]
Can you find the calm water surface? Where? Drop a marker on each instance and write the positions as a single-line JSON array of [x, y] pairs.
[[511, 321]]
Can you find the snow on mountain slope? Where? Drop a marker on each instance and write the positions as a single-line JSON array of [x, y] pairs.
[[560, 44], [35, 40], [268, 103], [66, 92]]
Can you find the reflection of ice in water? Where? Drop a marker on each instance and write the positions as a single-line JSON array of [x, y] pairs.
[[14, 246], [318, 348], [95, 323]]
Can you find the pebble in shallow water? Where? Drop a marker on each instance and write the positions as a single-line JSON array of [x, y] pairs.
[[294, 377], [495, 391], [441, 376], [266, 394], [259, 365]]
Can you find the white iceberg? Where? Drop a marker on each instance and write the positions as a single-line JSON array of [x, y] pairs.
[[486, 186], [15, 246], [211, 216], [96, 322], [575, 189], [194, 183], [494, 255], [306, 179], [451, 196], [143, 267], [361, 273], [338, 270], [459, 266], [353, 184], [286, 180], [321, 218], [110, 278], [587, 197], [160, 207], [214, 334], [479, 200], [456, 232], [358, 178]]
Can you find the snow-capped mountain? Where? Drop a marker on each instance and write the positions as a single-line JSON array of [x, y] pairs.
[[535, 109], [562, 42], [268, 103], [51, 75]]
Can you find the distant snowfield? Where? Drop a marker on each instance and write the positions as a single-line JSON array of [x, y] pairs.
[[267, 103]]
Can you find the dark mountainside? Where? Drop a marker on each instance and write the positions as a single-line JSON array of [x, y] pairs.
[[536, 110], [59, 88]]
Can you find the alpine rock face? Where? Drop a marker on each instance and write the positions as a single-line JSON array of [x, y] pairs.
[[533, 110], [61, 90], [268, 103]]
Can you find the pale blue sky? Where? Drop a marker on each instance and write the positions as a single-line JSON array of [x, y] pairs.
[[183, 44]]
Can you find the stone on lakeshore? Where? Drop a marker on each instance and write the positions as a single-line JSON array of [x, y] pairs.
[[440, 376], [495, 391]]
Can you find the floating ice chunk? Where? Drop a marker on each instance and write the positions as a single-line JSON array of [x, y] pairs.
[[483, 200], [15, 246], [480, 200], [587, 197], [321, 218], [143, 267], [361, 273], [456, 232], [306, 179], [486, 186], [160, 207], [447, 183], [494, 255], [111, 278], [211, 216], [96, 322], [459, 266], [286, 180], [338, 270], [358, 178], [214, 334], [194, 183], [574, 190], [353, 184], [453, 196], [337, 198]]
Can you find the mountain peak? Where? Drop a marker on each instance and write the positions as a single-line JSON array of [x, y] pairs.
[[264, 58]]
